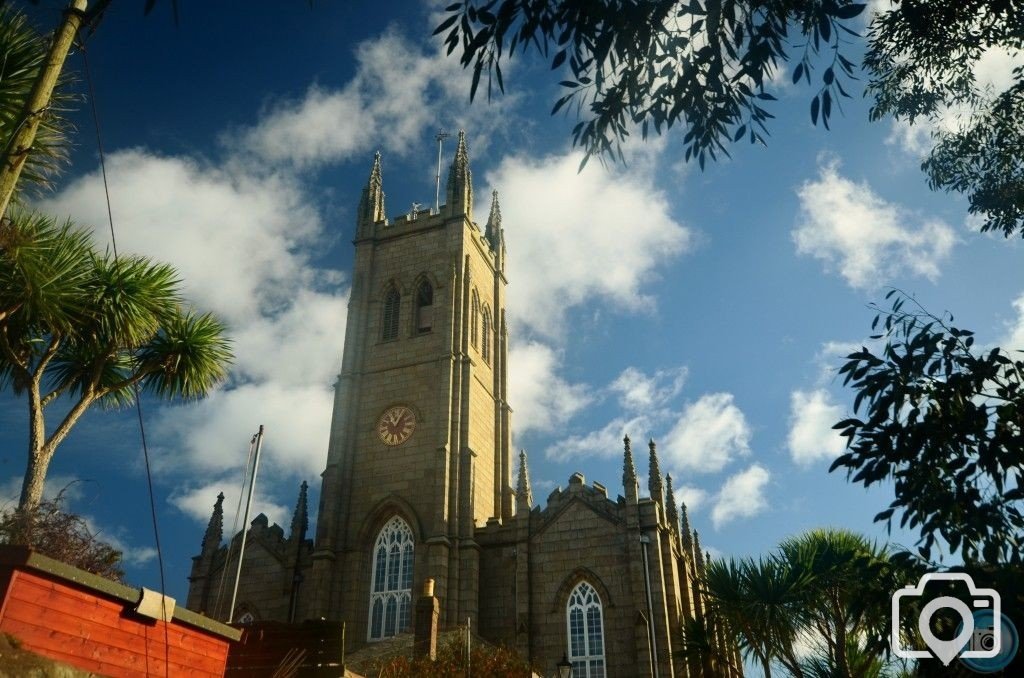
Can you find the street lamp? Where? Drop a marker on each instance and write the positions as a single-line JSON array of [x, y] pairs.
[[564, 667]]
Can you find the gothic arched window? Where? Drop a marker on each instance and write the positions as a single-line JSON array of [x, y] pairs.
[[585, 623], [391, 590], [474, 319], [486, 331], [389, 318], [424, 307]]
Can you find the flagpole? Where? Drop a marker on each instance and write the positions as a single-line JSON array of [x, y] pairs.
[[245, 521], [441, 136]]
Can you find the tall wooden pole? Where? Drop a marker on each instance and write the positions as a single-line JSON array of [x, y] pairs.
[[245, 523], [20, 144], [441, 136]]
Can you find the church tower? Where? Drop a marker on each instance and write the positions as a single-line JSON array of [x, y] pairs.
[[419, 452]]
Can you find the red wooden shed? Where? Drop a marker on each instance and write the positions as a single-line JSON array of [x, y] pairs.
[[78, 618]]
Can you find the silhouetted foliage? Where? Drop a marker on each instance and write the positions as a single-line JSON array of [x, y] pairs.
[[707, 65], [710, 66], [943, 419], [922, 58], [827, 589], [55, 532]]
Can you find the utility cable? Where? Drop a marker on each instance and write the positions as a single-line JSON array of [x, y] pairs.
[[135, 385]]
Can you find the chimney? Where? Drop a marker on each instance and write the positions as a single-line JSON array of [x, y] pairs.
[[428, 609]]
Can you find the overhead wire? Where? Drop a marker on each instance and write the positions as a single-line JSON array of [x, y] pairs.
[[135, 385]]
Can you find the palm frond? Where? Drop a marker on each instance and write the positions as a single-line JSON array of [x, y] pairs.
[[187, 358], [44, 266], [130, 297]]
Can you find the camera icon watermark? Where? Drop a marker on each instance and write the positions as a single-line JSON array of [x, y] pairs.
[[985, 639]]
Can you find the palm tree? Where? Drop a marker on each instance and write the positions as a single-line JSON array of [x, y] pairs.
[[850, 598], [761, 600], [79, 328], [830, 587], [702, 649]]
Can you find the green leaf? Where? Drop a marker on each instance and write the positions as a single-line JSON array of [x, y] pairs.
[[848, 11], [446, 24]]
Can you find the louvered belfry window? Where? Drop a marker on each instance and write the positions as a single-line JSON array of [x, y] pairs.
[[424, 308], [389, 320]]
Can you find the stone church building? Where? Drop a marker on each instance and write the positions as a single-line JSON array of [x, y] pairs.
[[419, 482]]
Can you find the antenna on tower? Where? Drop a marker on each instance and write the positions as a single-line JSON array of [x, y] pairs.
[[441, 136]]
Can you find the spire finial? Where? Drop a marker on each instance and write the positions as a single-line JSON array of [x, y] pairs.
[[300, 518], [376, 178], [698, 555], [671, 512], [524, 495], [654, 481], [493, 230], [629, 483], [460, 180], [371, 204], [687, 535], [215, 528]]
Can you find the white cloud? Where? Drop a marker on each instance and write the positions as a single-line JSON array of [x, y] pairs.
[[197, 503], [693, 497], [401, 89], [214, 434], [238, 240], [1014, 340], [831, 357], [132, 556], [593, 236], [915, 139], [864, 238], [242, 243], [709, 434], [300, 346], [741, 496], [644, 400], [811, 438], [540, 398], [638, 392], [876, 7], [605, 442]]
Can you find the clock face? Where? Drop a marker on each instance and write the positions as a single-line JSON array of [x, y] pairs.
[[396, 425]]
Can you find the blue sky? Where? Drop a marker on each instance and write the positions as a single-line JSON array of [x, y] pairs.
[[709, 309]]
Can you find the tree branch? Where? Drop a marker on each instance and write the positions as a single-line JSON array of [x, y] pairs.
[[125, 383], [54, 394], [73, 415], [44, 360]]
